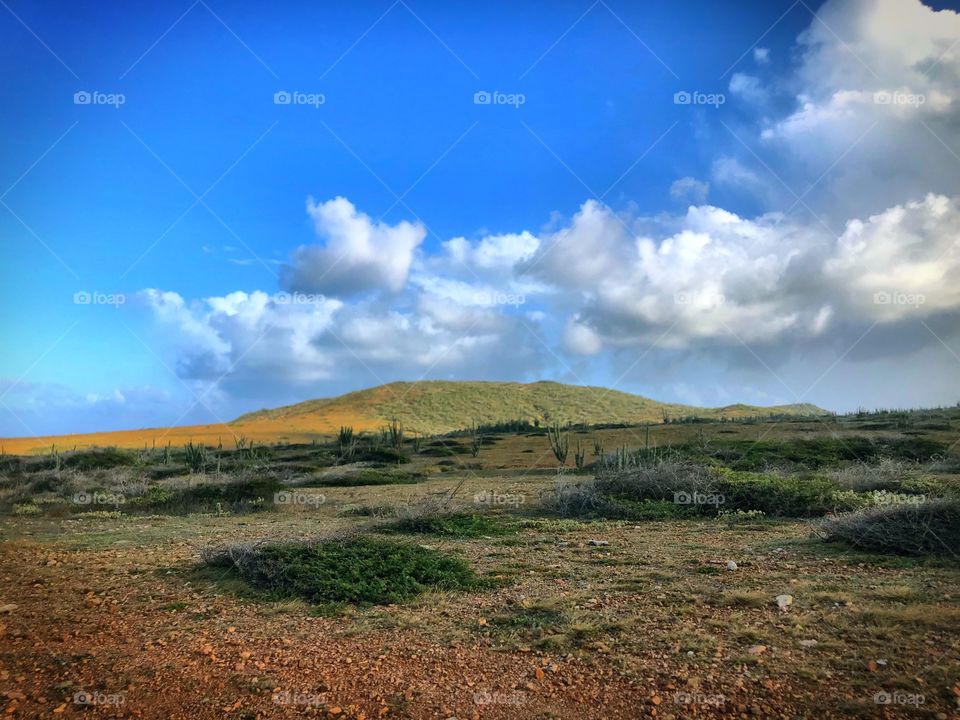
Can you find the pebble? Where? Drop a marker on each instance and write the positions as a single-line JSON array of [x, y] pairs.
[[731, 565], [784, 601]]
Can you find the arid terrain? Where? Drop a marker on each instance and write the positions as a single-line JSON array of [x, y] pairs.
[[114, 603]]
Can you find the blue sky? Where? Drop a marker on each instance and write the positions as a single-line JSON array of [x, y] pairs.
[[105, 198]]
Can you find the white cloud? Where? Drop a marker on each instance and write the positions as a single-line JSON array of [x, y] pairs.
[[876, 99], [761, 55], [580, 339], [358, 255]]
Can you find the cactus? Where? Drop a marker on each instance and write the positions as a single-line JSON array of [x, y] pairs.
[[559, 443], [346, 442], [579, 456], [394, 434], [476, 440], [597, 448], [195, 456]]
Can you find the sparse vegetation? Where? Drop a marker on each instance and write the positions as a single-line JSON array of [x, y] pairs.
[[550, 565], [357, 570], [924, 528]]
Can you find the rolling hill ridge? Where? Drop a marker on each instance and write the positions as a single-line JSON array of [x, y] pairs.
[[427, 407]]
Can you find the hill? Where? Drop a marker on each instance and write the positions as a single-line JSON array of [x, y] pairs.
[[435, 406], [427, 407]]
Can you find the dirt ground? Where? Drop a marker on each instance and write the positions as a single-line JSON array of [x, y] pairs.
[[107, 617]]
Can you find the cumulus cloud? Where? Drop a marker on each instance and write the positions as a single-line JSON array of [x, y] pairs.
[[358, 254], [876, 96], [761, 55]]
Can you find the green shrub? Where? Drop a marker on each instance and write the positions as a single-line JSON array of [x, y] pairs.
[[449, 525], [926, 528], [779, 495], [99, 459], [380, 454], [674, 489], [359, 570], [247, 495]]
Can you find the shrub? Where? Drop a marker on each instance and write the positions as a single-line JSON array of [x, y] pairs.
[[931, 527], [448, 525], [356, 570], [99, 459], [246, 495], [671, 489], [780, 495], [380, 454]]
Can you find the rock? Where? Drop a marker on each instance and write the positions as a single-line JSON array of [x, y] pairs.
[[882, 663], [784, 601], [757, 650], [808, 643], [9, 608], [598, 543], [731, 565]]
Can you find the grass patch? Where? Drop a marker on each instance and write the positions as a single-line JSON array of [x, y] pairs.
[[471, 525], [362, 571]]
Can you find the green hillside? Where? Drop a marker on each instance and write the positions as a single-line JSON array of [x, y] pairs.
[[440, 406]]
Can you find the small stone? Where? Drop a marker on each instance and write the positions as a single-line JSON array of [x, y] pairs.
[[808, 643], [731, 565], [758, 650], [598, 543], [784, 601]]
